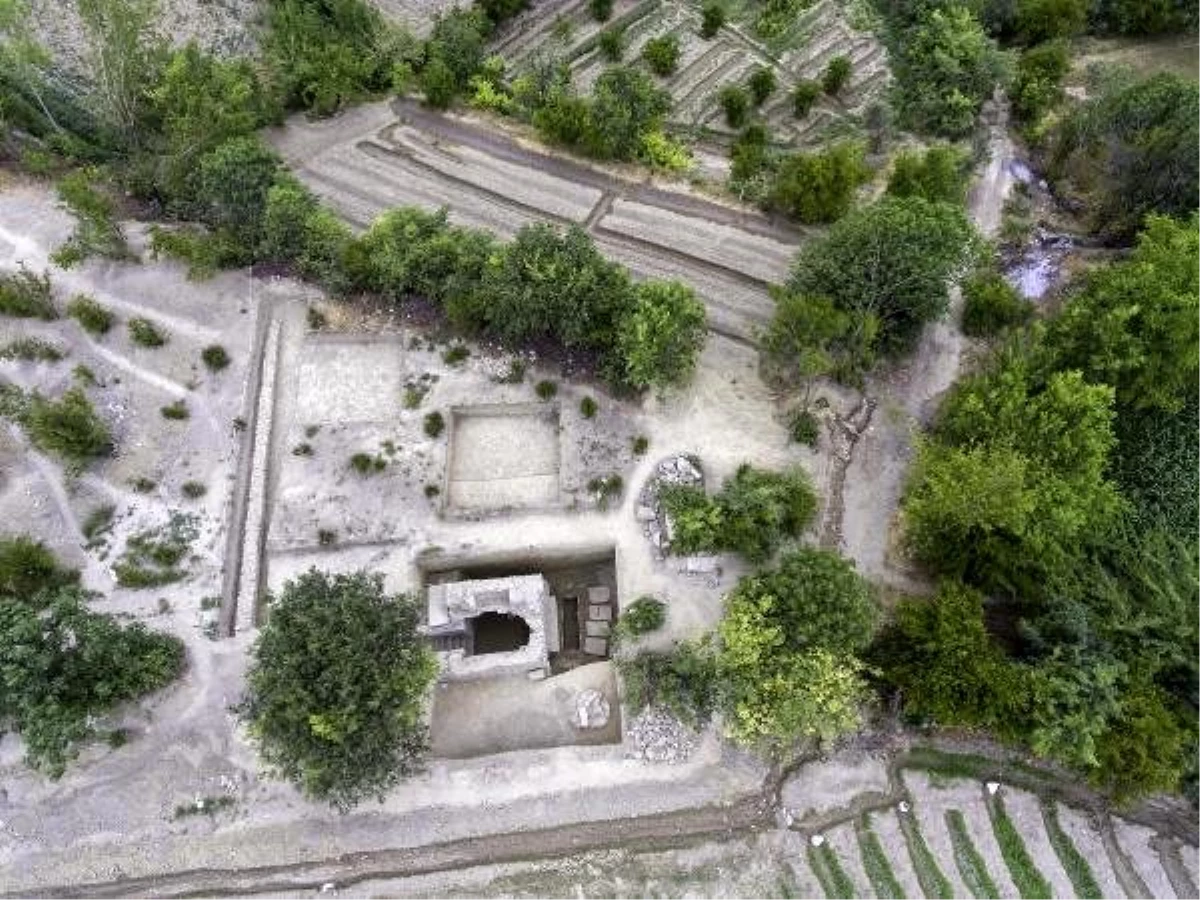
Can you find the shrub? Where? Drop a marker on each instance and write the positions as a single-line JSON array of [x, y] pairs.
[[662, 54], [587, 407], [177, 410], [438, 83], [684, 681], [612, 43], [938, 174], [992, 305], [145, 333], [96, 230], [837, 73], [90, 315], [804, 96], [546, 390], [736, 105], [360, 728], [234, 179], [643, 615], [27, 567], [712, 19], [660, 336], [456, 355], [816, 188], [152, 557], [601, 10], [762, 84], [32, 350], [641, 444], [25, 295], [435, 424], [805, 428], [326, 537], [303, 449], [193, 490], [606, 489], [68, 427], [366, 464], [143, 485], [215, 357]]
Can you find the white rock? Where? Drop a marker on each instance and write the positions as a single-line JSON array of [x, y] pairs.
[[817, 840], [992, 787], [591, 710], [902, 806]]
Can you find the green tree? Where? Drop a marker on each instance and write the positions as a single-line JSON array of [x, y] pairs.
[[762, 84], [945, 67], [660, 335], [1037, 83], [804, 96], [662, 54], [63, 665], [938, 174], [736, 105], [887, 266], [27, 567], [626, 106], [819, 187], [1146, 746], [837, 74], [233, 182], [438, 83], [947, 668], [124, 54], [1073, 697], [357, 729], [992, 305], [802, 340], [1045, 20], [712, 18], [1134, 324], [759, 509]]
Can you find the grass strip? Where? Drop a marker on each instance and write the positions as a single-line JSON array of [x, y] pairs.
[[933, 881], [1083, 879], [967, 765], [970, 864], [1030, 882], [828, 868], [876, 863]]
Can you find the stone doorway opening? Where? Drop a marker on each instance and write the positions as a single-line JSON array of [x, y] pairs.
[[497, 632]]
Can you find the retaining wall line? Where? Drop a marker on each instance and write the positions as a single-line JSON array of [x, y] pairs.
[[255, 534]]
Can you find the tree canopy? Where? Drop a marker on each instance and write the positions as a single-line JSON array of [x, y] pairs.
[[337, 687]]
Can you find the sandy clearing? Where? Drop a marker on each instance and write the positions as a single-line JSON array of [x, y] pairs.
[[1135, 842]]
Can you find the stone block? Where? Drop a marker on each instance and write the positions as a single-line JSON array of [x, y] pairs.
[[598, 594], [596, 629], [599, 613], [595, 646]]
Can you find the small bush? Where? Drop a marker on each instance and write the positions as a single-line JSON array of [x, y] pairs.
[[31, 350], [366, 464], [805, 428], [84, 375], [456, 355], [432, 490], [804, 97], [515, 373], [206, 806], [91, 316], [992, 305], [684, 681], [326, 537], [316, 319], [25, 295], [68, 427], [152, 557], [601, 10], [712, 19], [643, 615], [97, 232], [143, 485], [606, 489], [98, 521], [145, 333], [304, 449], [194, 490], [662, 54], [736, 105], [414, 393], [837, 73], [612, 44], [546, 390], [587, 408], [215, 357], [762, 84], [435, 424], [641, 444], [175, 411]]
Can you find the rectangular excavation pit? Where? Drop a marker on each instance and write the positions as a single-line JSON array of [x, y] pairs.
[[349, 378], [503, 456], [507, 687]]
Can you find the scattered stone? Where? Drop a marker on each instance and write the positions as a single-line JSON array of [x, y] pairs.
[[902, 806], [992, 787], [654, 735], [674, 470], [817, 840], [591, 710]]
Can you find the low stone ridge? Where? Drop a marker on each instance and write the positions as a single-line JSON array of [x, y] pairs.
[[654, 735], [591, 710]]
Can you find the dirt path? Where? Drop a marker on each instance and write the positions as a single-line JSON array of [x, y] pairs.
[[908, 397]]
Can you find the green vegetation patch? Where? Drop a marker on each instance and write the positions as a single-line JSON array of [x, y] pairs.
[[1083, 879], [1030, 882], [152, 557], [828, 869], [875, 861], [933, 881], [91, 316], [31, 350], [145, 333], [970, 864], [25, 295]]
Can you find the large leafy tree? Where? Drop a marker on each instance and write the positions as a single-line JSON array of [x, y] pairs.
[[818, 187], [1136, 324], [626, 105], [888, 267], [337, 687], [660, 335], [62, 666], [789, 644]]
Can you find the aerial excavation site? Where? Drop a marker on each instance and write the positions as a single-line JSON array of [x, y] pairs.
[[599, 448]]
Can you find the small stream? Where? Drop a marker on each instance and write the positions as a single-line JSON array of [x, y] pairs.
[[1038, 267]]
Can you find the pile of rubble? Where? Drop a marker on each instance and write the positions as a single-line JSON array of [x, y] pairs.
[[654, 735], [682, 470]]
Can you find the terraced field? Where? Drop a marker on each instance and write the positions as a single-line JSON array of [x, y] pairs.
[[935, 836], [383, 156], [705, 67]]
